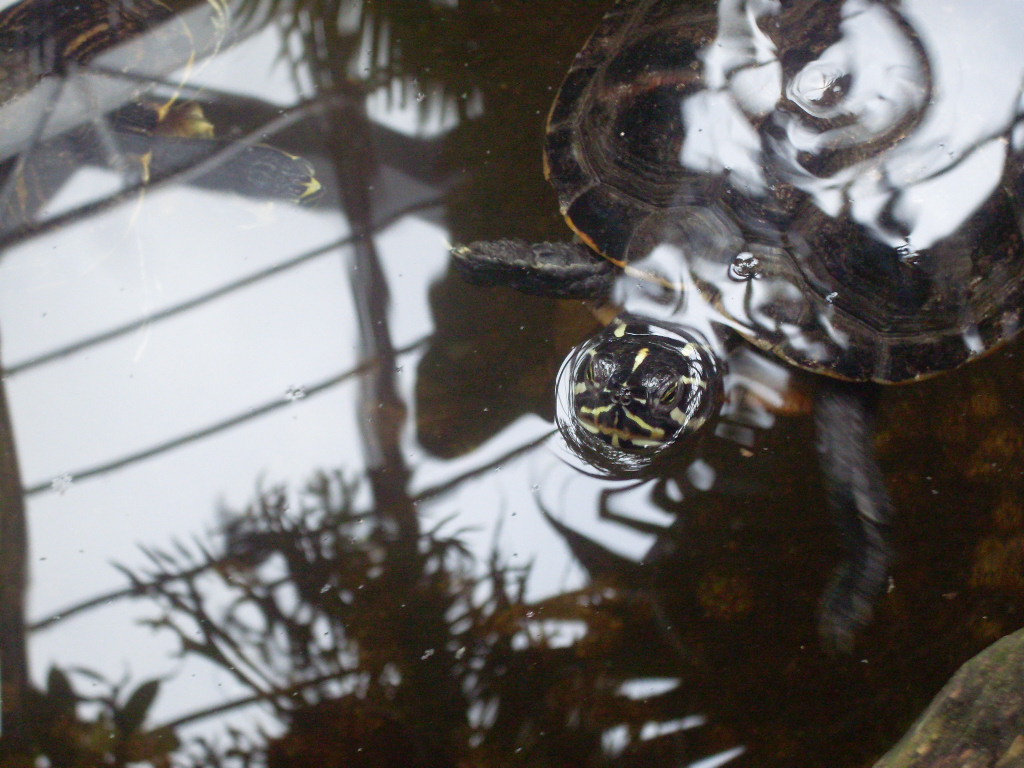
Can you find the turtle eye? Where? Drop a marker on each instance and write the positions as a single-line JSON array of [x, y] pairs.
[[669, 395], [588, 374]]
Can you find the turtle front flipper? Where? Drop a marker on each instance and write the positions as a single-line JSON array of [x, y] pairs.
[[558, 270], [860, 501]]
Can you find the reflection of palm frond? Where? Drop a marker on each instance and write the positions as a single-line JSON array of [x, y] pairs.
[[418, 47]]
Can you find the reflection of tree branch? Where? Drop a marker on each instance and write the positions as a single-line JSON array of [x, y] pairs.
[[245, 701], [373, 612], [430, 697], [215, 644], [220, 426], [138, 588]]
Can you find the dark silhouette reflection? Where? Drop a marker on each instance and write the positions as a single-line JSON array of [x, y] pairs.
[[15, 740], [62, 730], [373, 659]]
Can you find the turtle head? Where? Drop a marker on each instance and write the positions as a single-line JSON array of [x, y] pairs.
[[559, 270], [636, 390]]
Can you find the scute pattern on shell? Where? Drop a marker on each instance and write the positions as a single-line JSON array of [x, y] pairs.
[[829, 142]]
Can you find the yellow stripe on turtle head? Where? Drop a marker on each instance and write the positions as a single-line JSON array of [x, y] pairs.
[[640, 357], [656, 433], [616, 434]]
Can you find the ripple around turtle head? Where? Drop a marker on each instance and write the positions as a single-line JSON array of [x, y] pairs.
[[594, 455]]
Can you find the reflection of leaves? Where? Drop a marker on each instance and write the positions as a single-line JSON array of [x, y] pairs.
[[375, 652], [60, 697], [349, 732], [129, 718], [449, 51], [112, 737]]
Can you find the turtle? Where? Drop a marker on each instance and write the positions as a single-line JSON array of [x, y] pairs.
[[800, 176], [73, 94]]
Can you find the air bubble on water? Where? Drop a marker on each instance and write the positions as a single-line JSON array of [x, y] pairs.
[[427, 654], [973, 340], [831, 297], [294, 392], [325, 589], [744, 266], [61, 483], [420, 96]]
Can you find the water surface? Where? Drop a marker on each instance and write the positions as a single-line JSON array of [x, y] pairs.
[[280, 458]]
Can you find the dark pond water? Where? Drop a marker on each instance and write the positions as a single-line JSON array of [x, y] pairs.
[[291, 487]]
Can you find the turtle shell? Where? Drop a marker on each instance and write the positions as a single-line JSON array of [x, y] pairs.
[[112, 52], [842, 181]]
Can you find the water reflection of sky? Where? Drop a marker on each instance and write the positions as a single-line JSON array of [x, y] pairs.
[[220, 359]]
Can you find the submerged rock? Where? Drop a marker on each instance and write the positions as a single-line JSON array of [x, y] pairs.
[[976, 720]]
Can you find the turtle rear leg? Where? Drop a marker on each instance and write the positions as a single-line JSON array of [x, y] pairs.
[[858, 497], [558, 270]]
